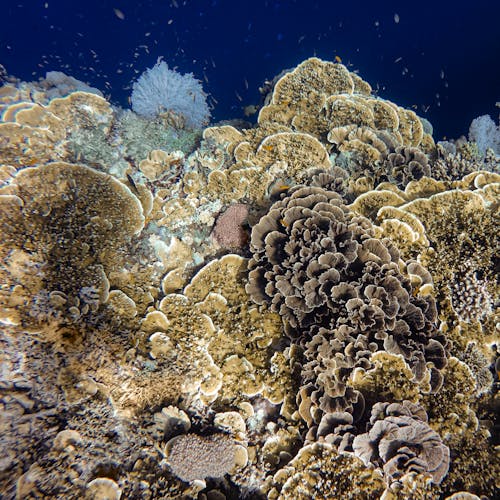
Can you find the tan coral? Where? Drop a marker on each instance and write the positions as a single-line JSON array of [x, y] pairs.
[[365, 144], [384, 115], [69, 253], [219, 292], [103, 488], [344, 110], [226, 135], [450, 411], [82, 109], [300, 151], [159, 162], [318, 471], [36, 133], [390, 379], [460, 227], [311, 78], [368, 204], [209, 343], [410, 127]]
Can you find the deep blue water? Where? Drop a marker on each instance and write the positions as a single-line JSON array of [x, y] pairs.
[[441, 58]]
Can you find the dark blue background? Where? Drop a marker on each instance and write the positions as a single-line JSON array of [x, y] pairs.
[[233, 46]]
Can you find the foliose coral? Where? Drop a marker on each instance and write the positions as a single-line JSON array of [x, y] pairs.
[[65, 227], [400, 440], [129, 341], [342, 295]]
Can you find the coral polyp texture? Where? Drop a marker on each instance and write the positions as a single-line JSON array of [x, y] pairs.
[[304, 308]]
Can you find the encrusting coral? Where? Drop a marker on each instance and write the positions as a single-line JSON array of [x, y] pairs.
[[304, 308], [193, 457]]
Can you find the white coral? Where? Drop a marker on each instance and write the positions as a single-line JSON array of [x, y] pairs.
[[486, 134], [161, 89]]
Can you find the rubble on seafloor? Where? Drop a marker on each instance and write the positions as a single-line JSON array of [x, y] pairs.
[[302, 309]]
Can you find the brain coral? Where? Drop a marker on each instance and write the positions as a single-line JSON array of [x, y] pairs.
[[342, 296]]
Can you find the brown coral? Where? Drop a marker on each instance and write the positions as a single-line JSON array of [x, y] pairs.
[[342, 296], [400, 441], [406, 164]]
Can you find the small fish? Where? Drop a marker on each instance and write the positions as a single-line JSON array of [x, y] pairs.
[[250, 110], [338, 59], [119, 14], [396, 18], [132, 183]]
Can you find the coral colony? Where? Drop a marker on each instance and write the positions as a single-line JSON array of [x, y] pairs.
[[304, 308]]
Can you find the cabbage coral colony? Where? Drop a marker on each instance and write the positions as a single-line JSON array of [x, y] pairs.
[[300, 309]]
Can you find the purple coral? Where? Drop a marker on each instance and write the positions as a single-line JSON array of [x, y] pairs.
[[228, 230]]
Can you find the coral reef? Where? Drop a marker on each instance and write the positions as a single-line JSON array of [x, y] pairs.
[[304, 308]]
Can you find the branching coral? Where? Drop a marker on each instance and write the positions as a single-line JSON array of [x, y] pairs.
[[161, 89]]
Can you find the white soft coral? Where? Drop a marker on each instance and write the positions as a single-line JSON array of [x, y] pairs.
[[161, 89], [486, 134]]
